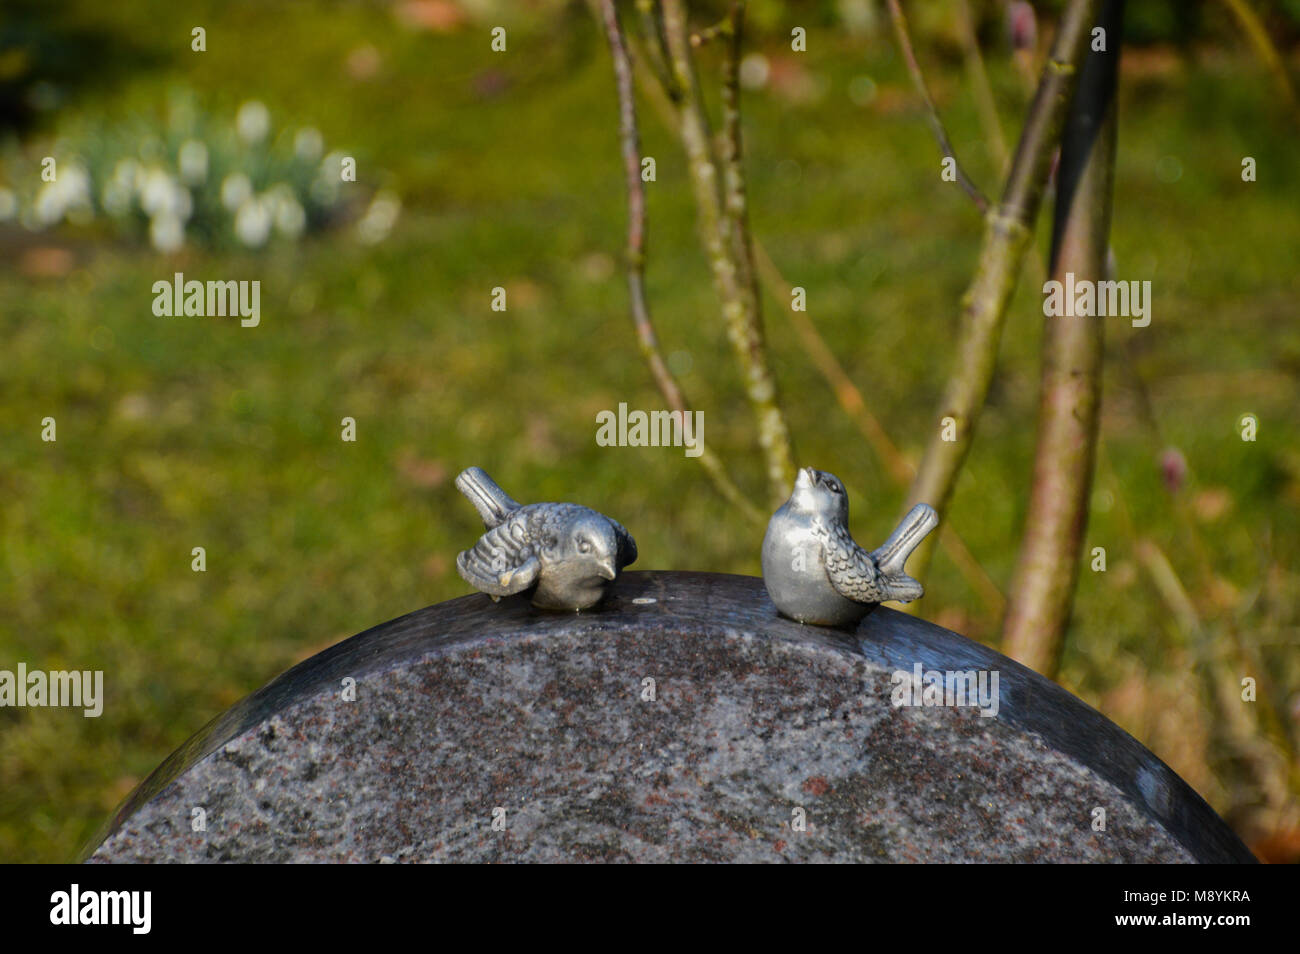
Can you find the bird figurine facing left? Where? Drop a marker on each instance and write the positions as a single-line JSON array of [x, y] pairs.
[[815, 572], [567, 554]]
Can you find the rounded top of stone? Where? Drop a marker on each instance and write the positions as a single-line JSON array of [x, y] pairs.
[[683, 719]]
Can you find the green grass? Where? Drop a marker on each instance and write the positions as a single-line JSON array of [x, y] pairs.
[[176, 433]]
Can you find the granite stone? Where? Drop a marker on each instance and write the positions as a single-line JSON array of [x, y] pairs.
[[759, 740]]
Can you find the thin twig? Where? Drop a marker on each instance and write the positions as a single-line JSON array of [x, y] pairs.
[[709, 34], [735, 207], [636, 235], [1047, 568], [652, 24], [739, 306], [651, 83], [980, 82], [932, 112], [1007, 234], [988, 109], [1265, 50]]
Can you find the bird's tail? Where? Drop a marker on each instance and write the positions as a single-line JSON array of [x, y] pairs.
[[901, 588], [891, 555], [492, 503]]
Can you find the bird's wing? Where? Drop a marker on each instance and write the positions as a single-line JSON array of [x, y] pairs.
[[849, 568], [502, 562], [853, 572]]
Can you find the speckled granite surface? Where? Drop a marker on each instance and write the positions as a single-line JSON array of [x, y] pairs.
[[466, 709]]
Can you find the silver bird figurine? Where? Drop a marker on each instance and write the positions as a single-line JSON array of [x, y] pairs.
[[816, 573], [567, 554]]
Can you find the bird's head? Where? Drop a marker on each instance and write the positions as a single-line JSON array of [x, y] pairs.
[[817, 492], [593, 545]]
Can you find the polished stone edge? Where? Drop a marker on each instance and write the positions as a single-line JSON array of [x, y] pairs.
[[717, 604]]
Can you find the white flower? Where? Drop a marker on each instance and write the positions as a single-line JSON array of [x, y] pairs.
[[155, 190], [120, 188], [308, 144], [166, 232], [380, 217], [253, 222], [193, 159], [252, 122], [290, 219], [67, 196], [325, 187], [235, 191], [76, 180], [160, 194]]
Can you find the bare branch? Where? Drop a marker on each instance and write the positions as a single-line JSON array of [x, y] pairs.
[[735, 214], [1047, 569], [636, 235], [1007, 234], [740, 307], [652, 25], [1265, 50], [980, 82], [932, 112], [709, 34]]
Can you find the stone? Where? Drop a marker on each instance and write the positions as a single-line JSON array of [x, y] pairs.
[[682, 720]]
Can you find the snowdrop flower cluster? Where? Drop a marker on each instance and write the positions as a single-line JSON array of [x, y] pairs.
[[203, 182]]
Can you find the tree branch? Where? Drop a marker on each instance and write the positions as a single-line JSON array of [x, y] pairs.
[[932, 112], [739, 303], [1265, 50], [980, 82], [652, 24], [636, 232], [1047, 570], [1007, 234]]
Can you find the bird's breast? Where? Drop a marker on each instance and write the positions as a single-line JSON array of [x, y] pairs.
[[794, 572]]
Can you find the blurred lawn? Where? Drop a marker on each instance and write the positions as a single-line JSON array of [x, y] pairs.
[[176, 433]]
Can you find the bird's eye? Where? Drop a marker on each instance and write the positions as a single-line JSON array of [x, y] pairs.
[[584, 546], [833, 487]]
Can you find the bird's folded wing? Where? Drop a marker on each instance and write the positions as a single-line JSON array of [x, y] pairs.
[[502, 562], [849, 568]]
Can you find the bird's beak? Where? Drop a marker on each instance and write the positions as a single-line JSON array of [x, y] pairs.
[[607, 571], [807, 477]]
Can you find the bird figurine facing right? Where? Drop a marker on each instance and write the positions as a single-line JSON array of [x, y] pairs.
[[565, 553], [816, 573]]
